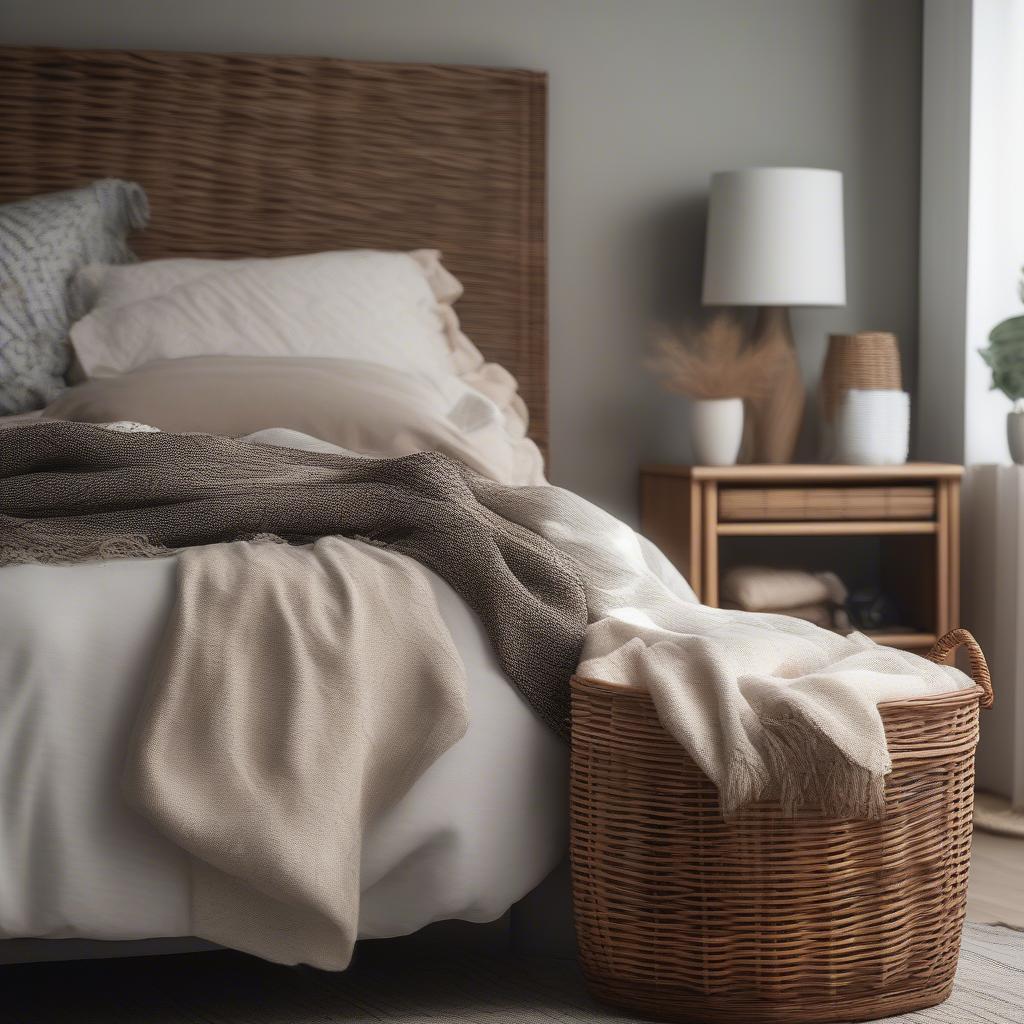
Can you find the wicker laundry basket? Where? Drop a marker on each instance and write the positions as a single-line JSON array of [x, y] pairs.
[[683, 916]]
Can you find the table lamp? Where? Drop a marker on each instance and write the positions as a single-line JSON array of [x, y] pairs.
[[775, 240]]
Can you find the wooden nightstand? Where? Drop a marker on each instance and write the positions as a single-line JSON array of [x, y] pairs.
[[898, 526]]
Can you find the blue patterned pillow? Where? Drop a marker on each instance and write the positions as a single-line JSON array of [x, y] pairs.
[[43, 242]]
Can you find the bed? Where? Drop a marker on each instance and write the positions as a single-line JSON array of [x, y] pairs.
[[271, 156], [334, 807]]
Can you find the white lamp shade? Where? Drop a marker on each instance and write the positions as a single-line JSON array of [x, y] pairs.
[[775, 238]]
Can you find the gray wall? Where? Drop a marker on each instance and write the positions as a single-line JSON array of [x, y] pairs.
[[647, 98], [945, 238]]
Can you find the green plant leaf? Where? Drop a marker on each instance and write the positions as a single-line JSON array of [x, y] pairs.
[[1005, 354], [1011, 330]]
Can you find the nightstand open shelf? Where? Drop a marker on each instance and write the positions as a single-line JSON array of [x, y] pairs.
[[900, 524]]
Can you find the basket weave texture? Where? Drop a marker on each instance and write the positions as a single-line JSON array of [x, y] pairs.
[[744, 504], [683, 916], [869, 361]]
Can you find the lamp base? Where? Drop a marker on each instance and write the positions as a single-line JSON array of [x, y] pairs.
[[777, 414]]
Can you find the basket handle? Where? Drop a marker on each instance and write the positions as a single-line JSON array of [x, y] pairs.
[[979, 667]]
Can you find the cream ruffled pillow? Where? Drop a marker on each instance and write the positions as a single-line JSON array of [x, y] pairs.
[[390, 308], [361, 406]]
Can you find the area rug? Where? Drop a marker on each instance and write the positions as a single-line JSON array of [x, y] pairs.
[[227, 988]]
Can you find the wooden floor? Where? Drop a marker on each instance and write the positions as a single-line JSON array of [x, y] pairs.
[[387, 987], [995, 894]]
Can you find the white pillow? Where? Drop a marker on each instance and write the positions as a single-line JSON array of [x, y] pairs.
[[360, 304], [102, 285], [387, 307]]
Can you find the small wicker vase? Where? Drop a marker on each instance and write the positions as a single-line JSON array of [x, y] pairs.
[[683, 916], [869, 361]]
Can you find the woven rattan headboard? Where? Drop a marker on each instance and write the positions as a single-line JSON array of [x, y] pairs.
[[252, 155]]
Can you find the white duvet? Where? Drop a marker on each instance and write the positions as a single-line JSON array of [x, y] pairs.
[[480, 828]]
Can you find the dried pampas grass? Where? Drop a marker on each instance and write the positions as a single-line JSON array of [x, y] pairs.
[[712, 361]]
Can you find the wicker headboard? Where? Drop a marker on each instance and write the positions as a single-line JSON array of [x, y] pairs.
[[253, 155]]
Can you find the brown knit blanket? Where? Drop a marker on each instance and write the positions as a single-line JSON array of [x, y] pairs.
[[73, 492], [766, 705]]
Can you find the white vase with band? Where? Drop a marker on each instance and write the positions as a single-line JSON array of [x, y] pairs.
[[873, 427]]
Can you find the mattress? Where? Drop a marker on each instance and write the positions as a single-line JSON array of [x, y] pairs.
[[476, 832]]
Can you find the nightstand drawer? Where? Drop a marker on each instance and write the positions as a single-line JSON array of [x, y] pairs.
[[801, 504]]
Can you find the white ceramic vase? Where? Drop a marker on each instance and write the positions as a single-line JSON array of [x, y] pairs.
[[716, 429], [873, 428], [1015, 435]]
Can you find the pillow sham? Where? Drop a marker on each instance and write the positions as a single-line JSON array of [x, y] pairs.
[[361, 406], [468, 361], [394, 308], [43, 242], [360, 304]]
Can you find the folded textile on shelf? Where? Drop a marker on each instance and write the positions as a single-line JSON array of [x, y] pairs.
[[762, 588]]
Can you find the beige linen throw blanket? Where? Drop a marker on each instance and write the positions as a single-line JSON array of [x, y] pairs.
[[767, 706], [299, 692]]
